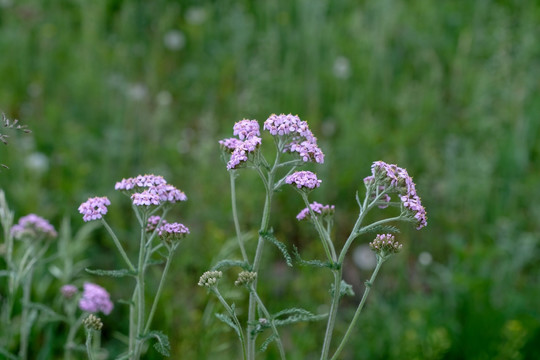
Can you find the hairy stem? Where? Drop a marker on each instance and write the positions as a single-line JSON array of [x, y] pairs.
[[235, 216], [274, 329], [235, 319]]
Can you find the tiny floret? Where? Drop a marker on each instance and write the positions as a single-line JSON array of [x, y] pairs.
[[33, 226], [172, 231], [210, 278], [68, 291], [303, 180], [145, 198], [230, 144], [94, 208], [153, 222], [94, 299], [92, 322], [246, 129], [245, 278], [385, 244]]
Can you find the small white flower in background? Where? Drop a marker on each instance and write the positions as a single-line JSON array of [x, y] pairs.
[[37, 162], [164, 98], [425, 258], [174, 40], [195, 15], [341, 67], [364, 258], [137, 92]]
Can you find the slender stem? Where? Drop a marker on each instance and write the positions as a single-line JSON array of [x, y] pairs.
[[369, 284], [73, 327], [332, 315], [235, 216], [118, 245], [323, 234], [132, 322], [160, 288], [272, 325], [235, 319], [89, 348], [25, 325], [140, 304]]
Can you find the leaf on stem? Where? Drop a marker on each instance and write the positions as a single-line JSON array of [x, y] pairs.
[[313, 263], [269, 236], [295, 315], [344, 289], [379, 229], [227, 320], [227, 264], [162, 345], [112, 273], [267, 342]]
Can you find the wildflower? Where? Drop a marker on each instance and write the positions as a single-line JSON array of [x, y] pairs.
[[167, 193], [210, 278], [92, 322], [145, 198], [246, 129], [68, 291], [230, 144], [242, 150], [172, 231], [94, 208], [385, 244], [303, 180], [94, 299], [33, 225], [153, 221], [317, 209], [245, 278], [140, 181], [308, 151], [397, 179]]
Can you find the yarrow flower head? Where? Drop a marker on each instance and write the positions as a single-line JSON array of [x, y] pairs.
[[92, 322], [148, 190], [68, 291], [153, 222], [246, 129], [245, 278], [95, 298], [94, 208], [140, 181], [396, 179], [230, 144], [172, 231], [33, 226], [318, 209], [297, 136], [305, 180], [210, 278], [145, 198], [385, 244]]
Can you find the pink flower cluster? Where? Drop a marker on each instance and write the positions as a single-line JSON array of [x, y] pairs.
[[317, 209], [297, 131], [94, 299], [33, 226], [150, 190], [398, 178], [153, 222], [68, 291], [94, 208], [172, 231], [385, 243], [248, 132], [303, 180]]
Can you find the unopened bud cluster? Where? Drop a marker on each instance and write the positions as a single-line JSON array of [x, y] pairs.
[[385, 244], [210, 278], [92, 322], [245, 278]]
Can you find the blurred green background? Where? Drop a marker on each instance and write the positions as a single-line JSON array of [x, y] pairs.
[[449, 90]]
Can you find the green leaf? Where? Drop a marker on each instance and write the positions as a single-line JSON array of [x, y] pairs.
[[162, 345], [112, 273], [379, 229], [313, 263], [295, 315], [227, 264], [267, 342], [269, 236], [344, 289], [227, 320]]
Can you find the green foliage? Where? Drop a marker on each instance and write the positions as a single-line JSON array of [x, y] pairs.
[[162, 345], [269, 236], [113, 273]]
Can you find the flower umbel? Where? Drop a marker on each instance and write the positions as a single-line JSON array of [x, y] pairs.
[[92, 322], [68, 291], [245, 278], [172, 231], [95, 298], [94, 208], [303, 180], [210, 278], [318, 209], [385, 244], [33, 225]]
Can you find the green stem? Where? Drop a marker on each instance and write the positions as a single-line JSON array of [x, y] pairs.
[[332, 314], [159, 290], [89, 347], [140, 304], [369, 284], [323, 234], [25, 326], [73, 327], [235, 215], [118, 245], [272, 325], [235, 319]]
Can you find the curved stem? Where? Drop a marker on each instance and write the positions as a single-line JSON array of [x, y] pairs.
[[323, 234], [235, 216], [160, 288], [272, 325], [118, 245], [235, 319], [369, 284]]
